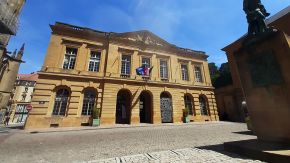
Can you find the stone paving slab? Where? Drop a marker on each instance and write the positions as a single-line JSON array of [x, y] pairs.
[[137, 158], [187, 155], [93, 145], [115, 126], [111, 160]]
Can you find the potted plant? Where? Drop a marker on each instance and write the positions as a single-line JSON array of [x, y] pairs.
[[186, 117], [96, 116]]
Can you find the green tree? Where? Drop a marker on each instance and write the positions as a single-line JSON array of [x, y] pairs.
[[214, 72], [225, 77]]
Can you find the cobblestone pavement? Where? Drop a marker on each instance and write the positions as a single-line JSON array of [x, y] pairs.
[[198, 142], [186, 155]]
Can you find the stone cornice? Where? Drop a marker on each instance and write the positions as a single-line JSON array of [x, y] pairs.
[[71, 43], [125, 80], [120, 39]]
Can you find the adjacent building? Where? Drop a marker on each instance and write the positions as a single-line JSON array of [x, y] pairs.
[[21, 97], [9, 64], [229, 98], [84, 68]]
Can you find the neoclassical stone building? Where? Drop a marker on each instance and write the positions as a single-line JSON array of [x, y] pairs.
[[84, 67]]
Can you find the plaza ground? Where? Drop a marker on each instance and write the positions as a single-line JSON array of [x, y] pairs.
[[203, 141]]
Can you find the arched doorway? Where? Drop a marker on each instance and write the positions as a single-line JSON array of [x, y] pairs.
[[166, 107], [145, 107], [203, 105], [123, 107]]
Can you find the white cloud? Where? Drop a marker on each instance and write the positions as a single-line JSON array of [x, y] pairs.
[[206, 25]]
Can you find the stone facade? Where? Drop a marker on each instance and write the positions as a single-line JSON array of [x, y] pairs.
[[229, 98], [9, 65], [85, 67], [263, 68]]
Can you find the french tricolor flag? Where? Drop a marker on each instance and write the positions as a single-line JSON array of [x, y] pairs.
[[144, 71]]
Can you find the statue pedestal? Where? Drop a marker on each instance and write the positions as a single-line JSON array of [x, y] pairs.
[[264, 70]]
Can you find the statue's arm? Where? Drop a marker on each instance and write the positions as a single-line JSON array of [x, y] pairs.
[[263, 9]]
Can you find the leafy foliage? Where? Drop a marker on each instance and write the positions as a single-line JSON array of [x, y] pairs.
[[214, 72], [185, 112], [220, 77]]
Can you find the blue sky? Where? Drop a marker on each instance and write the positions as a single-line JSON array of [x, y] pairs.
[[206, 25]]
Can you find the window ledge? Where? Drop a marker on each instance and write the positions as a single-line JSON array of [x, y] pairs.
[[57, 116]]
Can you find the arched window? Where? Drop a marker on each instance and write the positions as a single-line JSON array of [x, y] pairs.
[[60, 103], [89, 102], [203, 105], [188, 104]]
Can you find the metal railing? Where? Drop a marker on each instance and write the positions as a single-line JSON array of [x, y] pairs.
[[8, 19]]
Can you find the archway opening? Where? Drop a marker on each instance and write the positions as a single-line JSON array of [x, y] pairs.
[[123, 107], [145, 107]]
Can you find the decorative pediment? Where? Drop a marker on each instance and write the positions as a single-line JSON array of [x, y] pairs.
[[144, 37], [141, 40]]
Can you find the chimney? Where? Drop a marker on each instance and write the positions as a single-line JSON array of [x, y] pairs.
[[20, 53]]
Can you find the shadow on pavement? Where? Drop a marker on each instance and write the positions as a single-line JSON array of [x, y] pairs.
[[265, 151], [8, 129], [244, 132], [220, 149], [15, 127]]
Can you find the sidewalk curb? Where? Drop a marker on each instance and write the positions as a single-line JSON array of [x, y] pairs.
[[72, 129]]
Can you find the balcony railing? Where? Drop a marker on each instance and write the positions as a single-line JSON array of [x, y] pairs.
[[146, 78], [125, 76], [8, 19]]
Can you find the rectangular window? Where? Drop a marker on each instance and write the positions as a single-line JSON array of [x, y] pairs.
[[94, 64], [163, 69], [26, 89], [70, 58], [20, 114], [126, 65], [146, 62], [24, 96], [198, 74], [184, 72]]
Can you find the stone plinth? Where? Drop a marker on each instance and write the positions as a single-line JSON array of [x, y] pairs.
[[264, 70]]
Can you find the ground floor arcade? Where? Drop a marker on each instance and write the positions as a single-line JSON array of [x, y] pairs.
[[69, 103]]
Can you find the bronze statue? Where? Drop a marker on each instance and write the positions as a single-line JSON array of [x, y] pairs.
[[256, 15]]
